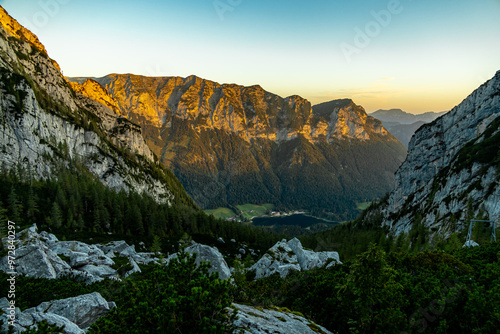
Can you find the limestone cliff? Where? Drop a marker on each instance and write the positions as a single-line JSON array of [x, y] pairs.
[[45, 124], [451, 172]]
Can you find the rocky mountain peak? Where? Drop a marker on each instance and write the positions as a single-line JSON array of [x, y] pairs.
[[346, 120], [14, 29]]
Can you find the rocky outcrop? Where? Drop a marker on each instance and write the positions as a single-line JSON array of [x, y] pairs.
[[285, 257], [76, 314], [41, 255], [450, 172], [36, 260], [82, 310], [252, 320], [208, 254]]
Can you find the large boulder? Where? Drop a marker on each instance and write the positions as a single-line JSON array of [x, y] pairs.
[[279, 259], [250, 320], [211, 255], [36, 260], [309, 259], [76, 314], [54, 319], [285, 257], [83, 310]]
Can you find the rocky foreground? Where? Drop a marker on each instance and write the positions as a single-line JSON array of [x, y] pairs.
[[42, 255]]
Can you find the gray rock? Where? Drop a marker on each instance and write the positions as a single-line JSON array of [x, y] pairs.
[[285, 257], [221, 240], [66, 247], [279, 259], [82, 276], [135, 268], [36, 260], [28, 236], [470, 243], [83, 310], [54, 319], [211, 255], [99, 271], [78, 259], [309, 259], [110, 254], [145, 258], [48, 238], [4, 304], [114, 246], [263, 321], [129, 251], [22, 322]]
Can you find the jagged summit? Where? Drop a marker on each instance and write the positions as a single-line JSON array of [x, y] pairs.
[[19, 32], [338, 103]]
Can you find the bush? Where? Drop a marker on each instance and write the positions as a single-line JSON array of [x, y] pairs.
[[177, 298]]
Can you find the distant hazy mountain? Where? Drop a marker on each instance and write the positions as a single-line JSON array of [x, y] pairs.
[[402, 117], [402, 124], [230, 144]]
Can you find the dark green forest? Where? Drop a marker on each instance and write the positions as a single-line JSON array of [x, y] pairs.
[[74, 205]]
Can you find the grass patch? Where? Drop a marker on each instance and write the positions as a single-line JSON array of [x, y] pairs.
[[363, 205], [221, 213], [252, 210]]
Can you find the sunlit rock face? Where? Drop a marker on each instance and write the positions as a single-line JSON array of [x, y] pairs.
[[231, 144], [45, 122]]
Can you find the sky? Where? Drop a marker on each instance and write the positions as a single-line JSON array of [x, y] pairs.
[[416, 55]]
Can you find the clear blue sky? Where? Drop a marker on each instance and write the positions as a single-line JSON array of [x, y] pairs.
[[427, 55]]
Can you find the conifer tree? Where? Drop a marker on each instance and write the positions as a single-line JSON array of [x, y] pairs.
[[56, 215], [15, 207]]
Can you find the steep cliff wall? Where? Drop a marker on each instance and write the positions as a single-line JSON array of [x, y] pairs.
[[451, 171]]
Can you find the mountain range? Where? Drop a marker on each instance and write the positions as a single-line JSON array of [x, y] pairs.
[[402, 124], [229, 144]]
